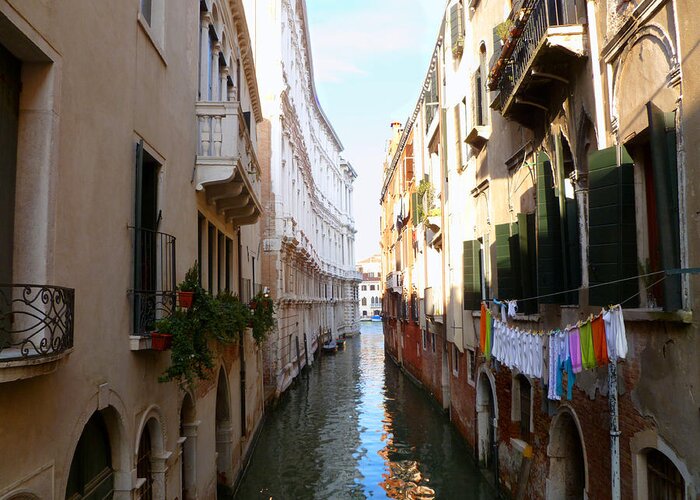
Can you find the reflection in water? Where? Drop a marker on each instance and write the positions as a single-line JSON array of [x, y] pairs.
[[354, 427]]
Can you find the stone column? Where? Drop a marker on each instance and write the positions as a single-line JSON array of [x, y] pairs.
[[159, 466], [189, 455], [204, 56]]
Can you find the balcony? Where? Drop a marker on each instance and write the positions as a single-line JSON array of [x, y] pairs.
[[153, 296], [394, 282], [227, 168], [36, 329], [537, 57]]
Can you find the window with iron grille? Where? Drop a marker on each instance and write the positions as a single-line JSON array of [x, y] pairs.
[[143, 466], [525, 400], [664, 480]]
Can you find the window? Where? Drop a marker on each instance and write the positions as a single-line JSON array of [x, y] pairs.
[[471, 366], [10, 86], [152, 18], [211, 241], [664, 480], [364, 288], [371, 287], [143, 465], [364, 301], [433, 342], [455, 361], [424, 337], [457, 28], [646, 187], [146, 10], [525, 404], [364, 313], [91, 474], [481, 105]]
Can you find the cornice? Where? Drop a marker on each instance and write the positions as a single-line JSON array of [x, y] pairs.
[[248, 62]]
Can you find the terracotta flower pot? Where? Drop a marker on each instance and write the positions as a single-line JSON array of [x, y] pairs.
[[161, 341], [185, 299]]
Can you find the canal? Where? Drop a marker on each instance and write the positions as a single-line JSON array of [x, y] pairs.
[[355, 427]]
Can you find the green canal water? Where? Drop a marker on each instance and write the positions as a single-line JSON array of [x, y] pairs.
[[355, 427]]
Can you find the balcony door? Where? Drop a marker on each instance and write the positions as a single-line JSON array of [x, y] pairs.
[[9, 113]]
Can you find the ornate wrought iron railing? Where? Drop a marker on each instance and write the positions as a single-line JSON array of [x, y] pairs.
[[153, 294], [541, 15], [35, 321]]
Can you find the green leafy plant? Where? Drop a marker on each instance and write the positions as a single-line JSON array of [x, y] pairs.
[[503, 29], [426, 192], [262, 318], [221, 319]]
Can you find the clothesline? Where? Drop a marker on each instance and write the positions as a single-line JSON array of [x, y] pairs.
[[596, 341]]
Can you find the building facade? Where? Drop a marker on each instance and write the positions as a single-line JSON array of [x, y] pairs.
[[124, 163], [555, 144], [309, 233], [370, 295]]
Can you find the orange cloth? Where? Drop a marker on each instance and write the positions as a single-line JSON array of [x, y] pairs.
[[482, 328], [600, 345]]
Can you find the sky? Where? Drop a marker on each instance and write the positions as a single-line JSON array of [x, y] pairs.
[[370, 58]]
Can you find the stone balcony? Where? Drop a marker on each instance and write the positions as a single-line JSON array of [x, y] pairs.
[[536, 59], [227, 168]]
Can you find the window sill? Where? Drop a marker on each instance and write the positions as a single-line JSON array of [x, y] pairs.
[[151, 36], [645, 314]]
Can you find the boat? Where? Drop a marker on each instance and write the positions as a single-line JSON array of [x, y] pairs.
[[340, 342], [330, 347], [376, 317]]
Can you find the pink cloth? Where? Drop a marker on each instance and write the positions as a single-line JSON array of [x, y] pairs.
[[575, 349]]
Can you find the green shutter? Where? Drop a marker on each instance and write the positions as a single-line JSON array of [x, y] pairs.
[[414, 209], [663, 151], [471, 270], [507, 261], [455, 23], [527, 242], [549, 258], [573, 246], [612, 228]]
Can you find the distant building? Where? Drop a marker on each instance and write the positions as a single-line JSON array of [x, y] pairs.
[[370, 293], [308, 242]]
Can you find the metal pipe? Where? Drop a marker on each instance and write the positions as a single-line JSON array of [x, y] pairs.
[[614, 432]]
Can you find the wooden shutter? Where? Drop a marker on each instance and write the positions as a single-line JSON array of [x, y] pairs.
[[471, 275], [663, 151], [414, 209], [527, 246], [573, 250], [508, 261], [455, 23], [549, 258], [612, 227]]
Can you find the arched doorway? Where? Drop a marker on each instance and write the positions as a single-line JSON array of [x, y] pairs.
[[567, 461], [487, 423], [224, 467], [144, 468], [91, 474], [188, 460]]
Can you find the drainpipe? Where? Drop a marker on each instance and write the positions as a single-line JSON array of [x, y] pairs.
[[241, 343]]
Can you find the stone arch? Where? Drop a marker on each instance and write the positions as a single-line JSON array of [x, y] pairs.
[[640, 444], [224, 431], [650, 79], [487, 418], [188, 458], [21, 495], [151, 431], [111, 408], [568, 469]]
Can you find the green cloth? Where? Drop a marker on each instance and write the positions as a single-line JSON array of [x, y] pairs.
[[587, 351], [489, 332]]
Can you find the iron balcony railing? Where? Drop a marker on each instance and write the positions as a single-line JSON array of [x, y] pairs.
[[541, 15], [35, 321], [153, 293]]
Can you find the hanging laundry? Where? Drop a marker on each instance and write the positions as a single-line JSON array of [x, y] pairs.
[[553, 369], [482, 328], [489, 332], [587, 353], [615, 334], [575, 349], [512, 308], [600, 346]]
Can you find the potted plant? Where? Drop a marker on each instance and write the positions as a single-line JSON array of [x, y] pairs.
[[186, 289], [162, 339]]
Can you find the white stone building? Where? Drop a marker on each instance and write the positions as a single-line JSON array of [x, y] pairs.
[[309, 257], [370, 289]]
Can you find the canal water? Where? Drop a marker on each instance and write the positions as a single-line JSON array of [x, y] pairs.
[[355, 427]]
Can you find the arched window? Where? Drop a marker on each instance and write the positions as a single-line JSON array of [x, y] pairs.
[[91, 474], [143, 465], [664, 480], [364, 301]]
